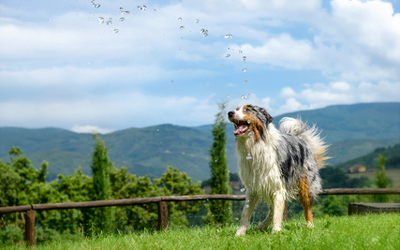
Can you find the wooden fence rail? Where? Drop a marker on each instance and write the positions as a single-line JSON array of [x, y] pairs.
[[30, 210]]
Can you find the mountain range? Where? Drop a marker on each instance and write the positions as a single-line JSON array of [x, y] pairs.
[[351, 130]]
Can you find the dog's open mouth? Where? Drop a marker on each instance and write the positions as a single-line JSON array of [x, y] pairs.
[[241, 128]]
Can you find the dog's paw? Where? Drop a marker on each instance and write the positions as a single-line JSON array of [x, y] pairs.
[[310, 225], [276, 229], [240, 232]]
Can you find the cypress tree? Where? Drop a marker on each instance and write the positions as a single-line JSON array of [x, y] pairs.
[[101, 183], [221, 210], [382, 181]]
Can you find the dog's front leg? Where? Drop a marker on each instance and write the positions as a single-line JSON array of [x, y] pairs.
[[251, 202], [279, 207]]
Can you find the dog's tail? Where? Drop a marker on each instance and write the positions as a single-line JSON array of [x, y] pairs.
[[310, 135]]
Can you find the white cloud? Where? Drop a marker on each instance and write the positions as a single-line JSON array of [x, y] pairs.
[[282, 51], [266, 103], [287, 92], [359, 40], [322, 95], [82, 76], [89, 129], [291, 105], [341, 86], [110, 112]]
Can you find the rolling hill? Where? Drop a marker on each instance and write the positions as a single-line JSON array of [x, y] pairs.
[[392, 154], [352, 131]]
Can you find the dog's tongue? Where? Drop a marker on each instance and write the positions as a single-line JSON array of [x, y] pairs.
[[240, 129]]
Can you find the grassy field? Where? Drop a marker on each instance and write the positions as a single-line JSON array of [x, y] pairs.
[[392, 174], [347, 232]]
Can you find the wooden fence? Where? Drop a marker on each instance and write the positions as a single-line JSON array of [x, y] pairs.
[[30, 210]]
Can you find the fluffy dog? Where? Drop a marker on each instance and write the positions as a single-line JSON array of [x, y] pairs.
[[276, 165]]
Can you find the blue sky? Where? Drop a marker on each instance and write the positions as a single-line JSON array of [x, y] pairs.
[[62, 66]]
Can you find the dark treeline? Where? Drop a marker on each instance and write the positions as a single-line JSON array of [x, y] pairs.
[[21, 184]]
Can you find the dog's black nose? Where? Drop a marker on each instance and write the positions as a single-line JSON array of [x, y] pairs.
[[231, 114]]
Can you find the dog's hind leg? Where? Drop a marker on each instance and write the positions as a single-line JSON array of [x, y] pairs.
[[250, 204], [305, 200], [265, 223]]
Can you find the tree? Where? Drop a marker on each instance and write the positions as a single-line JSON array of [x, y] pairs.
[[175, 182], [382, 181], [220, 211], [101, 183]]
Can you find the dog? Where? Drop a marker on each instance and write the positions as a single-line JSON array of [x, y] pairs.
[[276, 165]]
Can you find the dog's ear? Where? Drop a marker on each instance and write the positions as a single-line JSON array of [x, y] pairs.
[[268, 117]]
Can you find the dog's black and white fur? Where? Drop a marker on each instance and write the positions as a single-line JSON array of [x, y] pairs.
[[276, 165]]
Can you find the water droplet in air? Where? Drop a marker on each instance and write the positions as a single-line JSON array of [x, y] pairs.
[[197, 21], [182, 27], [144, 7], [179, 18], [242, 190], [109, 21], [125, 12], [121, 19], [244, 70], [116, 31], [228, 36], [251, 134], [101, 20], [121, 8], [245, 96], [247, 201], [245, 81], [228, 55], [240, 51], [244, 58], [249, 157], [247, 206], [95, 5], [248, 121], [204, 32]]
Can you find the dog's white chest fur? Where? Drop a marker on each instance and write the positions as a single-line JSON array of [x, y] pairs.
[[259, 166]]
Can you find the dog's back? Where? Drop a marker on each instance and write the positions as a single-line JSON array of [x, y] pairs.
[[310, 136]]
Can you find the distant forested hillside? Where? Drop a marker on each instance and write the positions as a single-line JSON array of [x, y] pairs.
[[352, 131], [392, 154]]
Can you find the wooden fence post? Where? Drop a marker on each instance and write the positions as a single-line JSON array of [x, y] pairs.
[[162, 215], [30, 227]]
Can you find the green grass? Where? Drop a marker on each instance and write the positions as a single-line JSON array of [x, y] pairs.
[[347, 232]]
